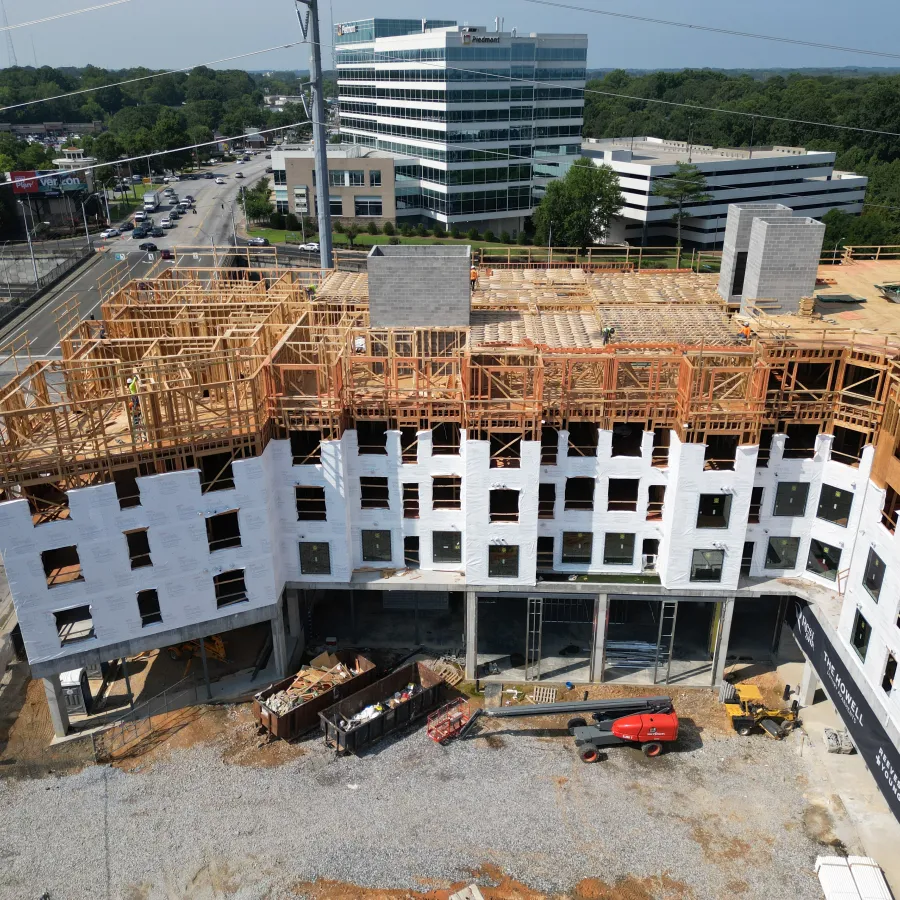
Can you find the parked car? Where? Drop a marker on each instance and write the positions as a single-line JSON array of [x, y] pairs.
[[258, 242], [127, 226], [268, 156], [136, 179], [110, 233], [311, 247], [220, 181], [157, 232], [238, 174], [269, 169], [149, 246], [166, 254]]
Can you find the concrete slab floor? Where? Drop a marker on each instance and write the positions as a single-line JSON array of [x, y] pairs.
[[683, 672], [877, 830]]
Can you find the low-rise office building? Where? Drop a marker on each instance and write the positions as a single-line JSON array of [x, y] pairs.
[[361, 182], [804, 180]]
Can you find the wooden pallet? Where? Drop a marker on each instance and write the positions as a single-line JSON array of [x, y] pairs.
[[544, 694], [450, 673]]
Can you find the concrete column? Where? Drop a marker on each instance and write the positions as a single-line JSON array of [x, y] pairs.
[[471, 635], [598, 658], [279, 647], [59, 715], [722, 644], [202, 641], [809, 684], [292, 598], [352, 616]]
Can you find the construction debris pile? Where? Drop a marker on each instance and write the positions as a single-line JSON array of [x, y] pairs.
[[376, 709], [311, 682]]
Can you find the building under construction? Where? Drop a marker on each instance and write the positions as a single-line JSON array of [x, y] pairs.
[[574, 472]]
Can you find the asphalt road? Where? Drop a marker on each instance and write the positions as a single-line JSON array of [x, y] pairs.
[[211, 225]]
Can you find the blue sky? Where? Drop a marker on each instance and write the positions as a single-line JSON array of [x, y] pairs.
[[176, 33]]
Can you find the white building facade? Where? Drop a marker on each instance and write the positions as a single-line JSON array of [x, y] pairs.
[[485, 116], [804, 180]]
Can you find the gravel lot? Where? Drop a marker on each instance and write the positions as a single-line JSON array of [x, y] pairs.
[[723, 817]]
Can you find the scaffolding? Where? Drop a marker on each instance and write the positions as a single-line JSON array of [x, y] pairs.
[[202, 360]]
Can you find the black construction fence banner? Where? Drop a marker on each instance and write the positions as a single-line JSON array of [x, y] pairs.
[[872, 741]]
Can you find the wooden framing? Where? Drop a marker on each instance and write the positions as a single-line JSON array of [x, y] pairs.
[[226, 358]]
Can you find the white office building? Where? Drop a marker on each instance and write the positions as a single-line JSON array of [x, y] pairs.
[[486, 116], [804, 180]]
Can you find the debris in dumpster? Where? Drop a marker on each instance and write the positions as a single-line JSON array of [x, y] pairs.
[[376, 709], [309, 684]]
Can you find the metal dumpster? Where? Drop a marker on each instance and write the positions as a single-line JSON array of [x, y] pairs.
[[348, 738], [306, 716]]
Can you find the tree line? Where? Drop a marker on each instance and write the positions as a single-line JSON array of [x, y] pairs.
[[872, 103]]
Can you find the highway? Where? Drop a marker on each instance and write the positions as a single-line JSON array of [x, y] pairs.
[[211, 225]]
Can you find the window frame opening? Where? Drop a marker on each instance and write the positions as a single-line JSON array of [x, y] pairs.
[[223, 530], [137, 541], [622, 494], [503, 505], [612, 559], [306, 446], [310, 503], [708, 563], [374, 492], [446, 492], [148, 607], [62, 565], [371, 437], [309, 564], [714, 510], [503, 561], [577, 548], [576, 485], [70, 624], [230, 588]]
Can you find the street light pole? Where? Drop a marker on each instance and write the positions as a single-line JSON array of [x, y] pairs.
[[30, 245]]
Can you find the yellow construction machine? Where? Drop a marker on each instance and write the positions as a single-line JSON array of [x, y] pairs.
[[748, 712]]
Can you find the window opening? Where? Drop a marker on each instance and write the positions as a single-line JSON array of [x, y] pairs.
[[411, 500], [583, 437], [873, 577], [127, 489], [138, 548], [376, 546], [230, 587], [506, 450], [446, 546], [503, 561], [372, 437], [223, 531], [445, 439], [74, 624], [48, 503], [549, 445], [411, 551], [545, 553], [310, 500], [61, 566], [546, 500], [579, 493], [714, 511], [823, 560], [890, 672], [148, 607], [801, 441], [790, 498], [216, 473], [627, 438], [721, 451], [862, 631], [504, 506], [706, 565], [834, 505], [306, 447], [660, 453], [374, 492], [890, 509], [446, 492], [622, 495], [756, 501], [656, 498], [315, 558], [781, 553]]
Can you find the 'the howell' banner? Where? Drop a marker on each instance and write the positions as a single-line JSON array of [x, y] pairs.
[[872, 741]]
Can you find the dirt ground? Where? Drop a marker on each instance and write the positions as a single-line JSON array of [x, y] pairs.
[[496, 885]]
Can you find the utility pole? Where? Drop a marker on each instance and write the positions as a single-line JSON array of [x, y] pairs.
[[30, 245], [10, 49], [309, 25]]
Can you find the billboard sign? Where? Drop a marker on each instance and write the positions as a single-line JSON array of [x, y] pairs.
[[46, 182], [872, 741]]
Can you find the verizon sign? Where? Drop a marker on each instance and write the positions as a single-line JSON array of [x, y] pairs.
[[50, 182], [872, 741]]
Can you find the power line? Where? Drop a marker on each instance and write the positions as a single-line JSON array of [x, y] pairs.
[[104, 87], [714, 30], [117, 162], [65, 15]]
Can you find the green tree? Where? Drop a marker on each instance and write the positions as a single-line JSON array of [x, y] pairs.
[[579, 207], [352, 231], [686, 185]]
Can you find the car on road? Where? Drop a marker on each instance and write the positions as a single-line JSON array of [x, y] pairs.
[[246, 157], [140, 215], [139, 234], [157, 232], [136, 179], [166, 254], [311, 247], [110, 233], [220, 180], [149, 246], [126, 226], [268, 169], [167, 223], [209, 175], [175, 214], [238, 174], [258, 242], [168, 190], [189, 198], [268, 156]]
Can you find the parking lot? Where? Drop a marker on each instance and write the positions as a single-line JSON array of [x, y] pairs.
[[208, 809]]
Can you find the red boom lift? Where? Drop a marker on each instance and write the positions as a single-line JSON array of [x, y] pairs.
[[647, 722]]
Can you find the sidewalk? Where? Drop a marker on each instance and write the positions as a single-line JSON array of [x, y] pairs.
[[876, 828]]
